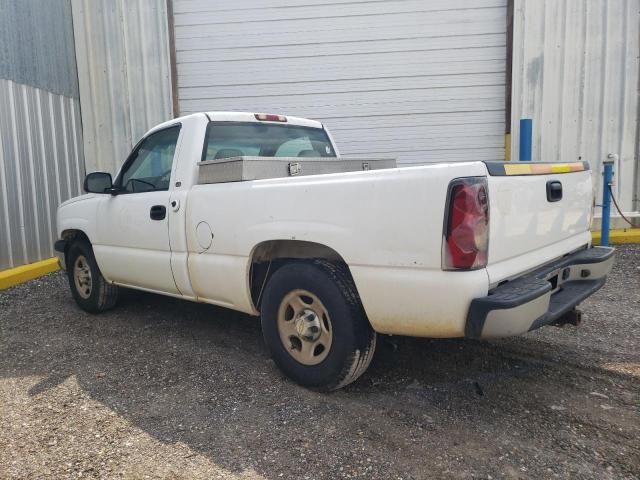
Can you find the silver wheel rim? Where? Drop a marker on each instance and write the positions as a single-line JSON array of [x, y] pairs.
[[82, 277], [305, 327]]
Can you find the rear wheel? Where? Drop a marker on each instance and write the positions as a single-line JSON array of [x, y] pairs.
[[90, 290], [314, 325]]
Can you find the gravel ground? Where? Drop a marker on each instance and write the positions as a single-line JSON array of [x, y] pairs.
[[161, 388]]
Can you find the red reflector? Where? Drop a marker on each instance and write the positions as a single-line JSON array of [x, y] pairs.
[[466, 235], [270, 117]]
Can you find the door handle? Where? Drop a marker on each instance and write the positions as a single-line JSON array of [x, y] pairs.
[[158, 212]]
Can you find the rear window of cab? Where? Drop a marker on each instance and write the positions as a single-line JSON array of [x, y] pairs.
[[236, 139]]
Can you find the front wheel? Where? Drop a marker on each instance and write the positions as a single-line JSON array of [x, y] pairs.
[[314, 325], [89, 288]]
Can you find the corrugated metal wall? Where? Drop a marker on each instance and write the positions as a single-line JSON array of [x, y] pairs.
[[41, 162], [122, 51], [41, 166], [36, 45], [420, 80], [575, 73]]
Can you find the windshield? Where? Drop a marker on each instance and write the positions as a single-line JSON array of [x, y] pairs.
[[236, 139]]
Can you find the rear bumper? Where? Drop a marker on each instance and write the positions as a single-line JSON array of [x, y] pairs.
[[540, 297]]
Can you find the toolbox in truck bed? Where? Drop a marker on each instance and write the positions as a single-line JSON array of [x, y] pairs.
[[237, 169]]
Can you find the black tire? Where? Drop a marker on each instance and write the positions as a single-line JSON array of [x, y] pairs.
[[353, 340], [100, 296]]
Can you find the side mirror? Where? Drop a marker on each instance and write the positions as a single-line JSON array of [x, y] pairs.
[[98, 182]]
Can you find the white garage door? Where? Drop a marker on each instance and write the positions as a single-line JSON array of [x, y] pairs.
[[421, 80]]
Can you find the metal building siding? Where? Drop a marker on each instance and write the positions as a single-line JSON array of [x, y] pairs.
[[41, 166], [420, 80], [36, 45], [575, 73], [124, 75]]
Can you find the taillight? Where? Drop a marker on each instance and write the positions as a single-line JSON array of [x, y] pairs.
[[466, 229], [270, 117]]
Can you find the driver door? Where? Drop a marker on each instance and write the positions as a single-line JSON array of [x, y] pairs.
[[132, 245]]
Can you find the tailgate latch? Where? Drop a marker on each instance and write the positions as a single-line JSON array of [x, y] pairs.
[[554, 191]]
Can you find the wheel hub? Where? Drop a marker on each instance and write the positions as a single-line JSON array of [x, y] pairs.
[[308, 325], [82, 277], [305, 327]]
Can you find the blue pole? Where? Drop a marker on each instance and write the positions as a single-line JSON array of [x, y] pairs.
[[526, 134], [606, 202]]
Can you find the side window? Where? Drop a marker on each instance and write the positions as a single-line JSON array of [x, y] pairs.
[[149, 167]]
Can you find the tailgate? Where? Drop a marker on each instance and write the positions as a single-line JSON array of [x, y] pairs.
[[538, 212]]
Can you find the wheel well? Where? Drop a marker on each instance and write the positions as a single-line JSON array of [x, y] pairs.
[[73, 235], [269, 256]]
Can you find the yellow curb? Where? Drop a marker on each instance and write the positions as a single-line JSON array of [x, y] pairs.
[[619, 237], [24, 273]]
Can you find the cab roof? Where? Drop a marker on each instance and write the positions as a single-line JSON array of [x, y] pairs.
[[244, 117]]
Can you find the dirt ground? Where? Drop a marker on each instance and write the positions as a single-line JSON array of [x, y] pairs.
[[161, 388]]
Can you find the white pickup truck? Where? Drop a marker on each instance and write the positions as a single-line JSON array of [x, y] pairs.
[[469, 249]]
